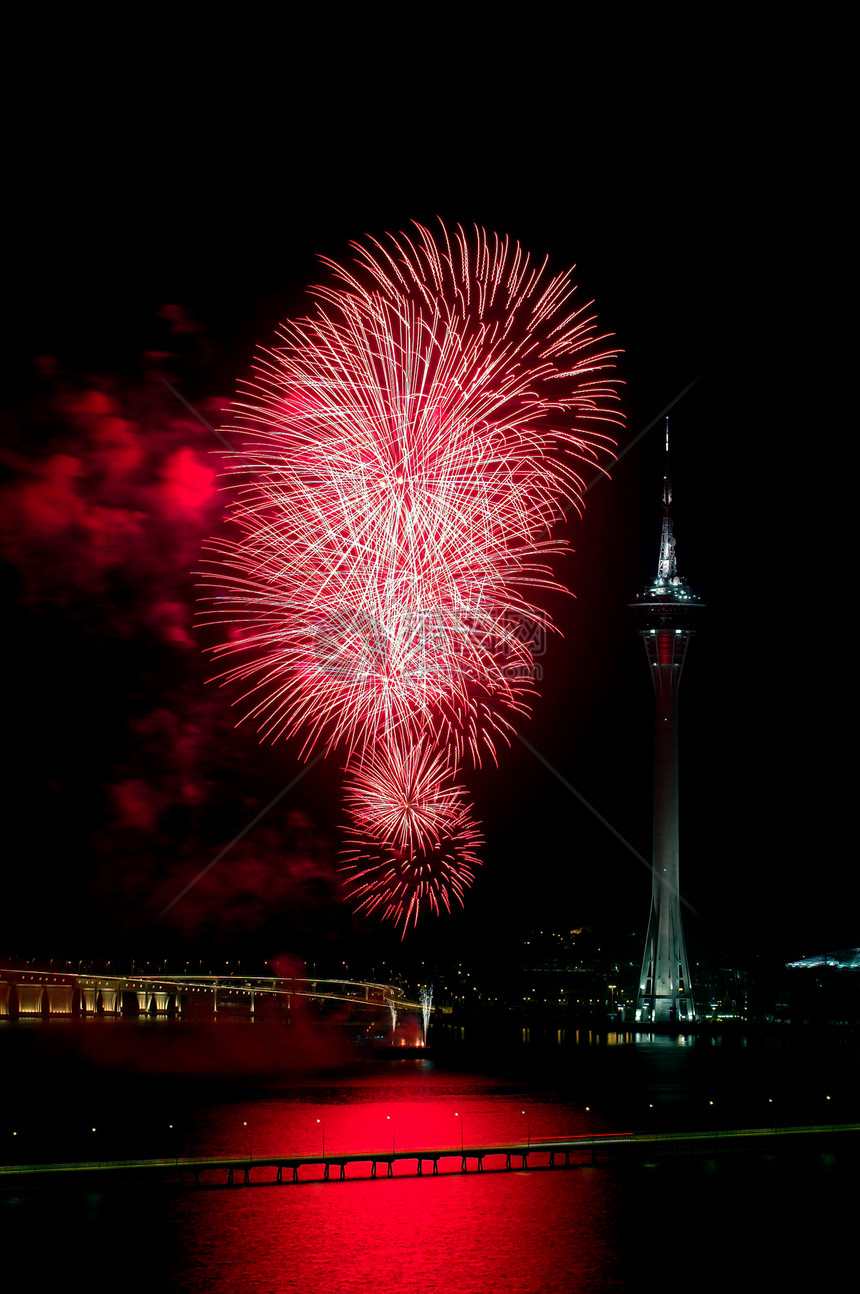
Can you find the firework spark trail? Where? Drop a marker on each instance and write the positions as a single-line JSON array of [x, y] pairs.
[[405, 454]]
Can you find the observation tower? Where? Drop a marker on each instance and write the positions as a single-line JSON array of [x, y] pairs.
[[666, 614]]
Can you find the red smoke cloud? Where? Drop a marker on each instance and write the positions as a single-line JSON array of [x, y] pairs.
[[109, 491]]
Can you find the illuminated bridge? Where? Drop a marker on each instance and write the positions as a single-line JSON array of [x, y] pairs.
[[36, 993]]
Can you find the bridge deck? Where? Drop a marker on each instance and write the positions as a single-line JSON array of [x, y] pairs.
[[543, 1153]]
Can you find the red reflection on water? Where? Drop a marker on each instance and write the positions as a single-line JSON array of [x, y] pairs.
[[518, 1231]]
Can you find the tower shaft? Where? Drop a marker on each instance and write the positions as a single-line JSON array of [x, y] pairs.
[[665, 988]]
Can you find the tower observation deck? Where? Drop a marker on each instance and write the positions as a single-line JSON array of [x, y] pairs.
[[666, 614]]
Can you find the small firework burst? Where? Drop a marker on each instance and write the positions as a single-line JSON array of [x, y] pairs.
[[401, 884], [413, 843], [407, 797]]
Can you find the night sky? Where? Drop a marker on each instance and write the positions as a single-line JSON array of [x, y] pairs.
[[159, 238]]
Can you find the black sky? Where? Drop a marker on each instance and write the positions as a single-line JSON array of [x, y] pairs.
[[707, 217]]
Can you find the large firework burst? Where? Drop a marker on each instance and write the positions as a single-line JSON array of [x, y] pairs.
[[405, 453]]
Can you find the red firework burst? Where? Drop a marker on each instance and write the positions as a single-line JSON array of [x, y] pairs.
[[405, 454], [405, 797], [413, 845]]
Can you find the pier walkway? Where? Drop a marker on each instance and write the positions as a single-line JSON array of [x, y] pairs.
[[569, 1152]]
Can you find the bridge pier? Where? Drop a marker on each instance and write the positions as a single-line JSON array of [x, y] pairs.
[[111, 1001], [60, 997], [30, 999]]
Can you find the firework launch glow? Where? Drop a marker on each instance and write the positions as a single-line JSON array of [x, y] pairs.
[[404, 455]]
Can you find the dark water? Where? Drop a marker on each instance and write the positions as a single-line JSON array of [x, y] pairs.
[[700, 1223]]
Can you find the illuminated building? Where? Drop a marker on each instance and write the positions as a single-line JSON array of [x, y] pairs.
[[665, 613]]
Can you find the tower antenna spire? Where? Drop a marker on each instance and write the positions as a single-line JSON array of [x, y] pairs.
[[667, 568]]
